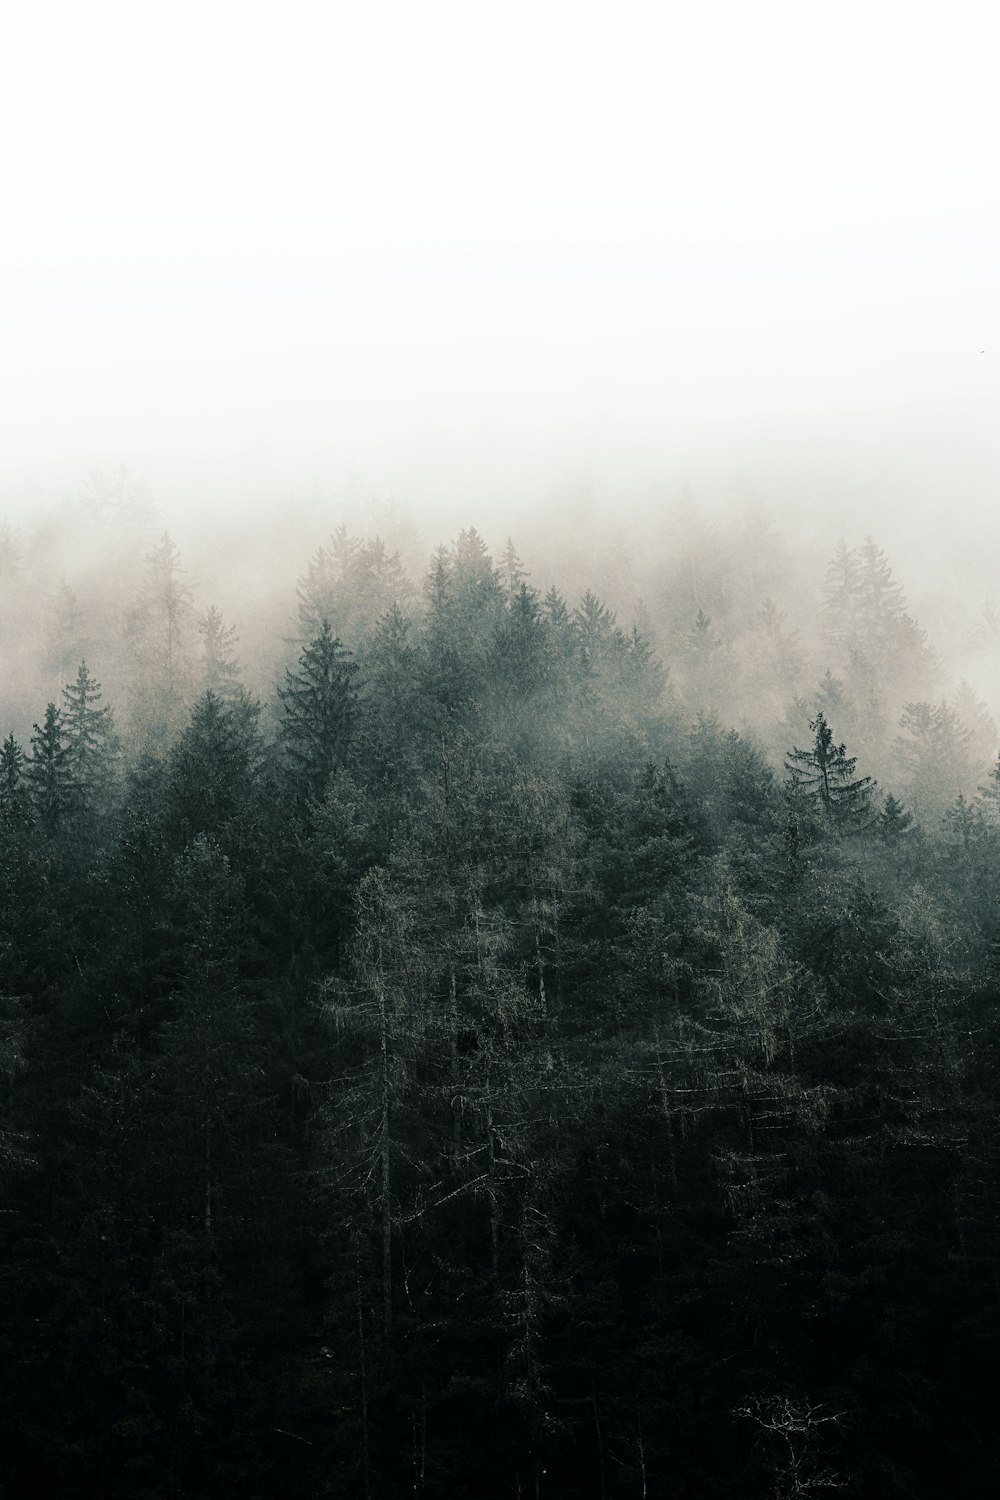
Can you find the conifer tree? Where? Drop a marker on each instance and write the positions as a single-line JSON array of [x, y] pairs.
[[825, 774], [12, 767], [319, 706], [704, 658], [220, 667], [512, 573], [894, 821], [159, 630], [214, 766], [50, 773], [351, 584], [934, 754], [90, 737], [393, 711]]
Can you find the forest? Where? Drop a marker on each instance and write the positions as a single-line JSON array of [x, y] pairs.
[[464, 1035]]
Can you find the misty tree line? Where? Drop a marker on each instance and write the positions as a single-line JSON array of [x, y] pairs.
[[479, 1070]]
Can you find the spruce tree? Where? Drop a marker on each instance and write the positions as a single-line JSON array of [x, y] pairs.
[[220, 667], [319, 705], [50, 772], [825, 774], [12, 764], [159, 630], [90, 737]]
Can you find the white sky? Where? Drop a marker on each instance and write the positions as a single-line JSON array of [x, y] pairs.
[[279, 232]]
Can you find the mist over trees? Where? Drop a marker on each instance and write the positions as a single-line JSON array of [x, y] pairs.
[[466, 1032]]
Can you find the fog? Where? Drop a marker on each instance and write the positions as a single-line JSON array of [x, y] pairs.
[[567, 279], [499, 728], [471, 257]]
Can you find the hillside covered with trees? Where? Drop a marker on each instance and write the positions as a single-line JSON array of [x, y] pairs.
[[494, 1042]]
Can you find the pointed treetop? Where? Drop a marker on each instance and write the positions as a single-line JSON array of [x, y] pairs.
[[220, 667], [825, 774]]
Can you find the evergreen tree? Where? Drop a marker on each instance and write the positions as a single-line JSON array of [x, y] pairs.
[[12, 768], [825, 775], [393, 711], [215, 769], [831, 700], [351, 584], [934, 756], [984, 737], [319, 706], [841, 592], [90, 738], [159, 632], [704, 656], [511, 571], [50, 772], [220, 667], [520, 659], [894, 821]]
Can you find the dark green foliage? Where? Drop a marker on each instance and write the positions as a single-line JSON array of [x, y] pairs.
[[12, 765], [50, 772], [497, 1083], [90, 739], [894, 821], [319, 704], [824, 778], [215, 769]]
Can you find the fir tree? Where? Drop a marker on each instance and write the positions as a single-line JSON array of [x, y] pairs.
[[159, 629], [894, 822], [220, 667], [12, 766], [319, 701], [934, 755], [49, 772], [825, 774], [90, 737]]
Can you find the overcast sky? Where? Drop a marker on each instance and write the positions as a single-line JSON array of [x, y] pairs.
[[287, 235]]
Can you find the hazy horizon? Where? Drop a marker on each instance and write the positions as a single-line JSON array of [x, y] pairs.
[[468, 260]]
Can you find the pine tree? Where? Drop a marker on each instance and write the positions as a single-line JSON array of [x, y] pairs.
[[704, 656], [351, 584], [825, 774], [478, 589], [840, 598], [512, 573], [90, 737], [220, 667], [49, 772], [159, 629], [319, 705], [831, 699], [393, 709], [934, 755], [11, 767], [894, 821], [214, 767]]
